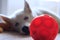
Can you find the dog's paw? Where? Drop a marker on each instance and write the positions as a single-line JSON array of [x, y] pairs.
[[1, 29]]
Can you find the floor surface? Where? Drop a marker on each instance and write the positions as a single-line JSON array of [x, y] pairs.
[[14, 36]]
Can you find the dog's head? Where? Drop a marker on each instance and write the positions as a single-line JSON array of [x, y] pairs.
[[23, 19]]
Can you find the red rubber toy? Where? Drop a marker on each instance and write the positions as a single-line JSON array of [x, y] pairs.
[[44, 28]]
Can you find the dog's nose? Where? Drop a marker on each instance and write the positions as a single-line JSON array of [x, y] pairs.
[[25, 29]]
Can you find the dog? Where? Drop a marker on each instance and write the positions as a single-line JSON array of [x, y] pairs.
[[20, 20]]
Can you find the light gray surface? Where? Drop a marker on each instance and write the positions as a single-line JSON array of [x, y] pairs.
[[14, 36]]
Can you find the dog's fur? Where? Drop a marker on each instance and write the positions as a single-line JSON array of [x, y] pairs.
[[18, 18]]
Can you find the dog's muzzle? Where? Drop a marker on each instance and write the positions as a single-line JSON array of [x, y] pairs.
[[25, 29]]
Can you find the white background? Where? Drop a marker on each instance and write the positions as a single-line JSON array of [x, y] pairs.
[[9, 6]]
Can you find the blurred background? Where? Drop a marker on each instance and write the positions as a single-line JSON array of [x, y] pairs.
[[7, 7]]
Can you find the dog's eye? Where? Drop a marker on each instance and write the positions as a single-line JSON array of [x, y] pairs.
[[25, 18], [16, 24]]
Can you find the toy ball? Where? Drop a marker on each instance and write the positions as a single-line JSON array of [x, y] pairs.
[[43, 27]]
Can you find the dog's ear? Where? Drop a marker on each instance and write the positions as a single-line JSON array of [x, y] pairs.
[[7, 20], [7, 23], [26, 7]]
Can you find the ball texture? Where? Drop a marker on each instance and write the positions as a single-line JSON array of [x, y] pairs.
[[43, 27]]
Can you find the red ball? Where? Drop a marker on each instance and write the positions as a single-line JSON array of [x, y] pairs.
[[43, 27]]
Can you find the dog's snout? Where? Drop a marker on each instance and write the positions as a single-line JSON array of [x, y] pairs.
[[25, 29]]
